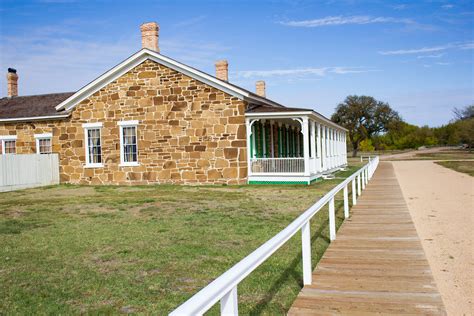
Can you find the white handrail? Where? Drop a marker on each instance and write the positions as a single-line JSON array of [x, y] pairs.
[[224, 288]]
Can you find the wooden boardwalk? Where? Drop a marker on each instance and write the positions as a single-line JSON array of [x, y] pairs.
[[377, 264]]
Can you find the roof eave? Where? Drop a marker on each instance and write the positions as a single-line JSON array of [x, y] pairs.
[[309, 113], [35, 118]]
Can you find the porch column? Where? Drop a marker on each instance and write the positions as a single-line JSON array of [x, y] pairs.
[[249, 145], [318, 144], [333, 145], [280, 141], [338, 154], [264, 144], [252, 142], [329, 149], [334, 153], [313, 144], [298, 142], [323, 145], [272, 146], [287, 129], [345, 147], [305, 146]]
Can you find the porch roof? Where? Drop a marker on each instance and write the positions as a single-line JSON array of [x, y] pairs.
[[281, 112]]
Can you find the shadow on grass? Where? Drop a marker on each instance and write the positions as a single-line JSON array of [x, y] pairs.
[[291, 271]]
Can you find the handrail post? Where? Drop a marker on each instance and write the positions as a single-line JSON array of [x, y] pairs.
[[346, 202], [229, 304], [363, 179], [359, 188], [332, 220], [306, 253], [354, 192]]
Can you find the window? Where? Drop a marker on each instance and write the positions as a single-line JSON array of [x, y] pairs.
[[128, 143], [8, 143], [93, 144], [43, 143]]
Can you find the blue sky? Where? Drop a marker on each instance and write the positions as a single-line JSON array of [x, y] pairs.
[[415, 55]]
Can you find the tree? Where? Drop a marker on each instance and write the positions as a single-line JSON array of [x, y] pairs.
[[364, 117], [464, 113]]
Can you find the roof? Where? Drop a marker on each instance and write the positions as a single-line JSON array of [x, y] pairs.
[[60, 104], [146, 54], [272, 109], [274, 112], [32, 106]]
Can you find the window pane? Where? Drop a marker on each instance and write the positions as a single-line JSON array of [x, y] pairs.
[[10, 147], [44, 145], [93, 145], [129, 143]]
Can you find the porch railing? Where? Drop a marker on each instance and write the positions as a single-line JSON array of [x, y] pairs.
[[224, 288], [277, 165]]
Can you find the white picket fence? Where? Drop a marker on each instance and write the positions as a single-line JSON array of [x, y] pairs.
[[28, 171], [224, 288]]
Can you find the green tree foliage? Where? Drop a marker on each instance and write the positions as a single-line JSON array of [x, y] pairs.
[[373, 124], [364, 117]]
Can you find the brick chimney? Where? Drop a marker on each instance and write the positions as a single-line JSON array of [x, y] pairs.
[[12, 80], [260, 88], [150, 36], [222, 70]]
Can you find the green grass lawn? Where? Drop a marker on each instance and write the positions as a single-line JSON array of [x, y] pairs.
[[460, 166], [146, 249]]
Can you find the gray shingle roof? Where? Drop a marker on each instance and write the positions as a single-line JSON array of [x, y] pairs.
[[32, 105]]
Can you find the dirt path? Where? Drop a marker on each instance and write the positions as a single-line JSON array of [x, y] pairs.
[[413, 153], [441, 203]]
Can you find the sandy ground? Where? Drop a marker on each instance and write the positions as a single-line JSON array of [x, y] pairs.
[[412, 153], [441, 203]]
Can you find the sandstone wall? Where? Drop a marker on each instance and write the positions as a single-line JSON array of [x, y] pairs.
[[188, 132]]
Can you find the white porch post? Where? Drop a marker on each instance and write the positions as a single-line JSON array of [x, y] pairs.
[[330, 148], [334, 158], [264, 145], [272, 146], [323, 148], [313, 145], [306, 146], [318, 144], [298, 146], [345, 147], [338, 148], [249, 143], [335, 147]]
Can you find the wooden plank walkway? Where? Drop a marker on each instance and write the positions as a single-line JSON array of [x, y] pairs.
[[377, 264]]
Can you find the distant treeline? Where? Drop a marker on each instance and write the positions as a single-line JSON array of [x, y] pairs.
[[374, 125]]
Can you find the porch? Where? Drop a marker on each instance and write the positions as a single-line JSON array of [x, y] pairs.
[[298, 147]]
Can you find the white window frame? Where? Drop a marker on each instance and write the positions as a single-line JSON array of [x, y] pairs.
[[121, 125], [87, 127], [44, 136], [4, 138]]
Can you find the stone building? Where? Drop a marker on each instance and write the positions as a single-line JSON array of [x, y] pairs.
[[152, 119]]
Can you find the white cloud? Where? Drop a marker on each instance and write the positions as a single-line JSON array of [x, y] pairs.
[[432, 56], [443, 64], [56, 58], [400, 7], [447, 6], [301, 72], [342, 20], [191, 21], [415, 51], [467, 45]]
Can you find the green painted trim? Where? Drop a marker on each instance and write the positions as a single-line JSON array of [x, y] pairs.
[[277, 182]]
